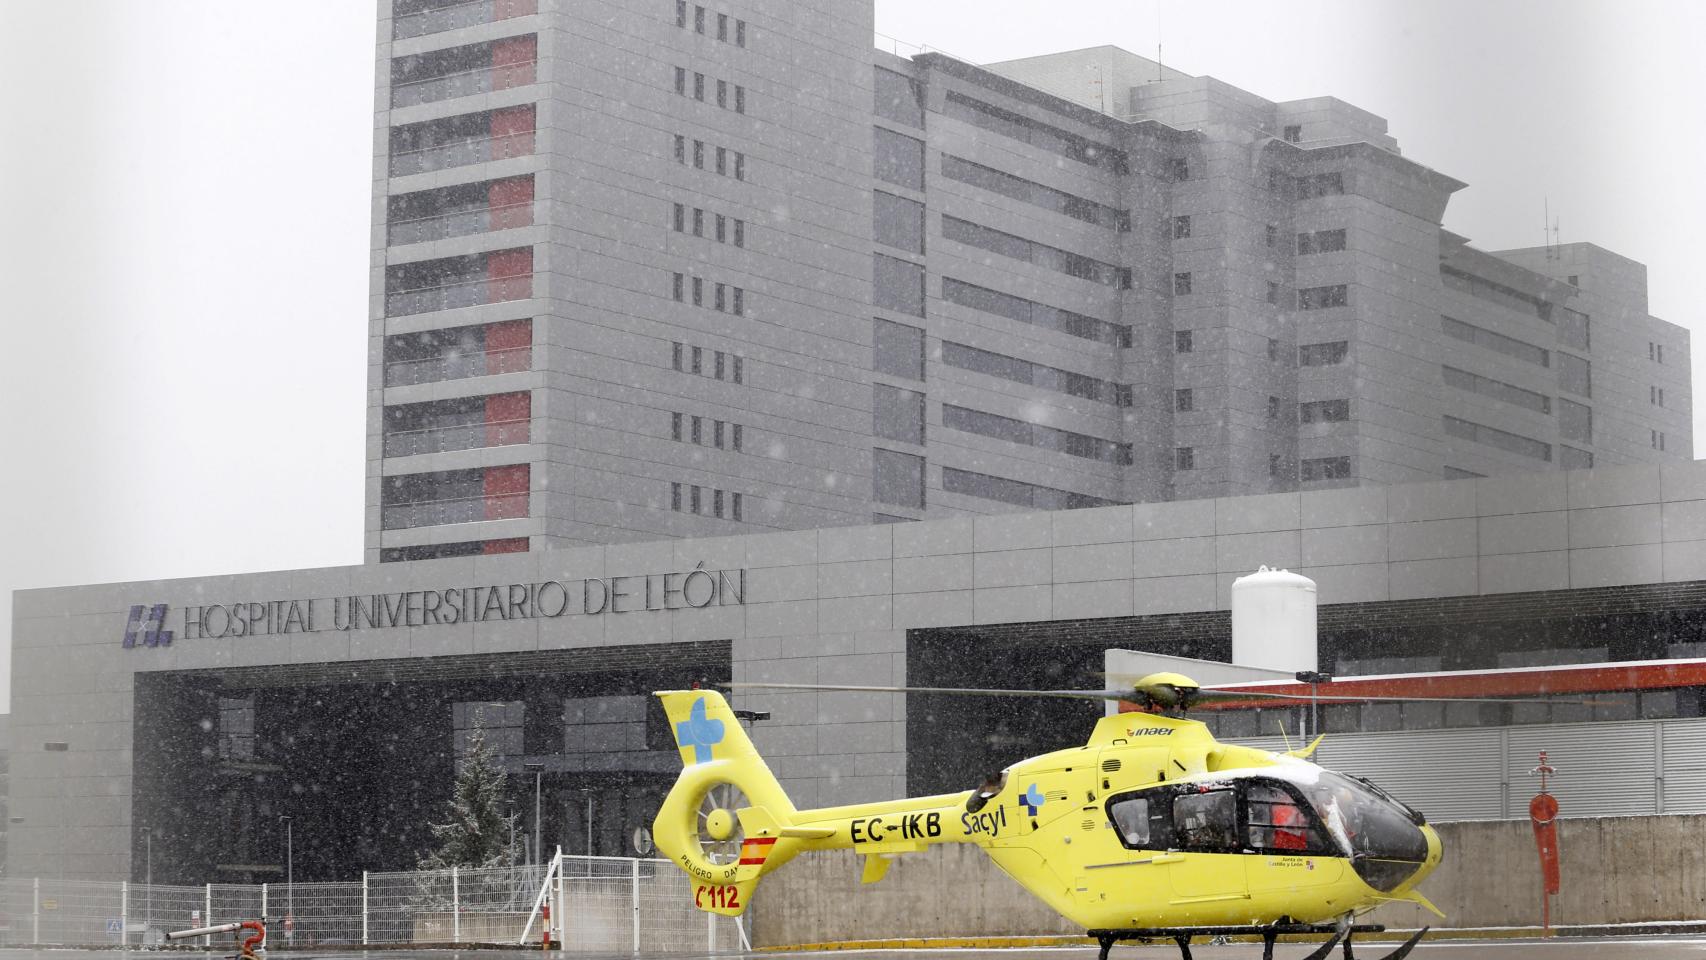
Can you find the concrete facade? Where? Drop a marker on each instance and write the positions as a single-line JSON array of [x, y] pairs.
[[834, 605], [647, 270]]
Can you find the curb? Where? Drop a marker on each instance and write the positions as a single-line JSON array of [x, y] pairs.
[[1067, 940]]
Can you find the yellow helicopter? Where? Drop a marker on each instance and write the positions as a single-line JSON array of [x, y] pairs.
[[1151, 830]]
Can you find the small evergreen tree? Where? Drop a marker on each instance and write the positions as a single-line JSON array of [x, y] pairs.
[[477, 832]]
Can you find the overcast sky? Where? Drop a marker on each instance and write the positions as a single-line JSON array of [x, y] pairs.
[[185, 194]]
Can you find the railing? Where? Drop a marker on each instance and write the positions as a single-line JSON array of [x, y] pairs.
[[461, 153], [462, 293], [614, 904], [428, 513], [463, 83], [462, 223], [461, 436], [457, 366], [459, 15]]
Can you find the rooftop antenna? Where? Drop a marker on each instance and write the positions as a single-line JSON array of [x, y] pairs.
[[1549, 227], [1158, 69]]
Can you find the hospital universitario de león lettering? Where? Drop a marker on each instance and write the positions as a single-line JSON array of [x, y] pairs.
[[697, 588]]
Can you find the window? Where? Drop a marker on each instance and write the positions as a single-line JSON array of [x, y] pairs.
[[897, 350], [675, 426], [897, 158], [1574, 328], [675, 355], [698, 19], [1575, 374], [1016, 492], [681, 13], [966, 357], [698, 222], [722, 161], [1492, 437], [1183, 400], [719, 298], [721, 229], [898, 285], [897, 478], [723, 27], [1321, 298], [717, 366], [1181, 284], [1321, 241], [1497, 342], [677, 286], [740, 99], [740, 165], [681, 80], [699, 87], [1273, 408], [698, 431], [897, 98], [1273, 234], [680, 218], [1036, 314], [1273, 464], [1131, 819], [1184, 458], [698, 359], [723, 94], [1575, 420], [680, 149], [1569, 458], [1273, 292], [739, 307], [716, 503], [1658, 440], [740, 233], [1035, 435], [1294, 133], [693, 499], [1178, 168], [1273, 350], [1497, 389], [1279, 822], [675, 497], [1327, 468], [735, 437], [1181, 227], [1183, 341], [1458, 473], [698, 291], [1324, 411], [1035, 194], [899, 222], [1322, 354], [898, 414], [1040, 135], [1206, 821], [699, 154], [740, 41], [1320, 185]]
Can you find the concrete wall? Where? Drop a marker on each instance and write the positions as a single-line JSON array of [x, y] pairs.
[[1615, 870]]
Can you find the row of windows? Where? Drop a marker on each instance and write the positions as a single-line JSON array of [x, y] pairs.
[[723, 87], [897, 222], [686, 359], [1321, 241], [1029, 251], [897, 285], [692, 498], [1017, 492], [463, 71], [897, 414], [897, 158], [1321, 298], [1035, 194], [1036, 314], [692, 429], [897, 478], [1575, 420], [1658, 440], [466, 548], [1035, 374], [1035, 435], [457, 423], [1656, 396], [1037, 134], [1574, 328], [1655, 352], [1330, 184], [1311, 470], [728, 162], [724, 297], [1569, 458], [455, 353], [1575, 374], [897, 349], [1496, 342], [1501, 439], [723, 22], [1497, 389], [1325, 354], [724, 229], [1484, 289], [1324, 411]]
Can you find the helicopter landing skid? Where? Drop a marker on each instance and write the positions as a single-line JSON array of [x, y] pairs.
[[1270, 934]]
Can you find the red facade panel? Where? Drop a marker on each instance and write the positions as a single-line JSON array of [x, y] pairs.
[[509, 275], [513, 61], [508, 418], [510, 9], [509, 346], [510, 202], [512, 132], [506, 545], [506, 491]]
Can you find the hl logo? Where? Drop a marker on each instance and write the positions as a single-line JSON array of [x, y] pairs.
[[148, 631]]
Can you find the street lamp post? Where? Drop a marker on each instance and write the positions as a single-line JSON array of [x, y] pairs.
[[538, 771], [289, 879]]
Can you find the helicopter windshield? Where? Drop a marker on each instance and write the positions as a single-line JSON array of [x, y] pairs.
[[1383, 836]]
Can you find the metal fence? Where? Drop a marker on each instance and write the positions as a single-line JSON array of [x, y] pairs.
[[612, 904]]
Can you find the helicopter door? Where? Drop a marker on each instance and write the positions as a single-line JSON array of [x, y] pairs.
[[1209, 865], [1293, 852]]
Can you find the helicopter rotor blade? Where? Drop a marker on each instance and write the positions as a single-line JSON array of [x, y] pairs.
[[1220, 695], [954, 691]]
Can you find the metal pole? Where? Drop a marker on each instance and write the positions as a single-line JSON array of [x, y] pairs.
[[124, 913], [634, 895], [263, 900], [148, 910], [562, 904], [589, 831], [35, 912], [207, 908], [364, 908], [455, 906], [538, 851]]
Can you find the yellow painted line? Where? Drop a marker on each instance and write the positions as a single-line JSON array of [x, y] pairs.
[[1067, 940]]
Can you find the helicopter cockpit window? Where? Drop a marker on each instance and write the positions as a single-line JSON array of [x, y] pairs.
[[1278, 822], [1206, 821], [992, 786], [1131, 819]]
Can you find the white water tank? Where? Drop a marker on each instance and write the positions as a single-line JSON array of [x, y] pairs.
[[1273, 621]]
